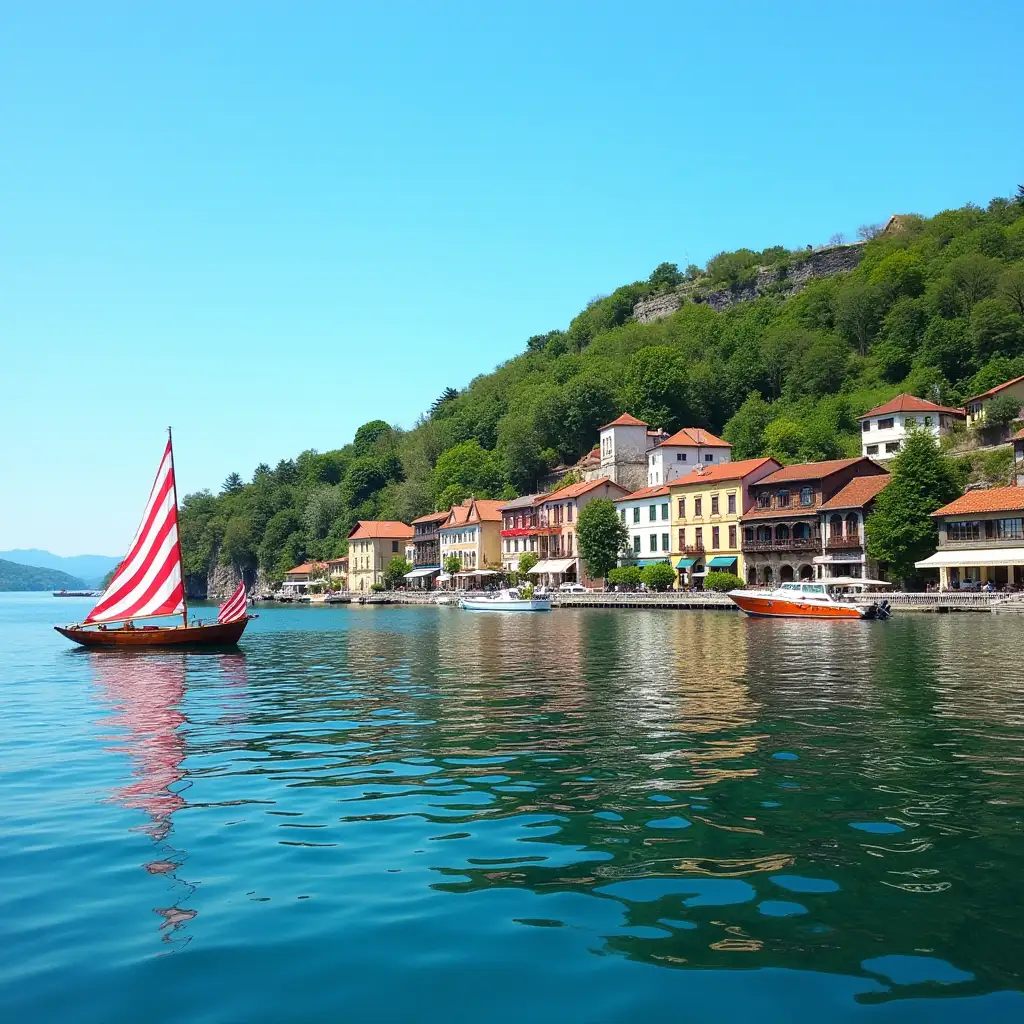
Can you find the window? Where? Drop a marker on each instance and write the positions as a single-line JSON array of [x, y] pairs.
[[731, 504], [664, 510], [636, 545], [887, 424], [664, 542], [699, 537], [682, 508], [682, 538], [782, 499], [714, 537], [568, 544], [654, 542], [709, 457], [698, 506], [636, 514], [652, 513], [764, 500], [908, 422], [806, 495], [748, 534], [1010, 529], [872, 449], [927, 421], [680, 456], [732, 536], [866, 426], [394, 545], [892, 446], [970, 530], [568, 512], [714, 504]]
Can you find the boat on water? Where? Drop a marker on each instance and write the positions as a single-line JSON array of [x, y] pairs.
[[510, 600], [77, 593], [149, 584], [825, 599]]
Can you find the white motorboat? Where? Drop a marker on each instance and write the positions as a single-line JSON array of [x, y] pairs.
[[511, 600]]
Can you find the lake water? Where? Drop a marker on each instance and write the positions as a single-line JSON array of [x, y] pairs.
[[422, 814]]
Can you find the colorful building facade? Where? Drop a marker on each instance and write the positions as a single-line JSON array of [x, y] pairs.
[[884, 429], [371, 545]]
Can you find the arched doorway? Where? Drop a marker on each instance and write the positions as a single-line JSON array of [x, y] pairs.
[[835, 527], [752, 576], [806, 572], [766, 576], [786, 574], [782, 531]]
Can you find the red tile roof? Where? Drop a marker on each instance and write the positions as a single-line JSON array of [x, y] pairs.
[[993, 391], [723, 471], [371, 529], [858, 492], [998, 499], [457, 515], [432, 517], [485, 510], [811, 471], [625, 420], [909, 403], [306, 567], [694, 437], [1019, 436], [577, 490], [655, 491]]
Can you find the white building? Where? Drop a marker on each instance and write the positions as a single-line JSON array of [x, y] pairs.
[[883, 429], [647, 516], [623, 447], [683, 452]]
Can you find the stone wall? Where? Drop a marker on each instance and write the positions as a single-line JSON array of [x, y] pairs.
[[221, 581], [824, 262]]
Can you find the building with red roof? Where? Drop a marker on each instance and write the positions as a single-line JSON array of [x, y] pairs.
[[884, 428], [981, 540], [371, 545], [472, 534], [977, 405]]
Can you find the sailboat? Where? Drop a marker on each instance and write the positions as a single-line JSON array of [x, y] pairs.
[[149, 584]]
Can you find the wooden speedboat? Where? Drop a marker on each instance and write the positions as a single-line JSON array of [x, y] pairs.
[[828, 599], [148, 584], [510, 600]]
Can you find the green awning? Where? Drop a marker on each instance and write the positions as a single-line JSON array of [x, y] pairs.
[[722, 561], [685, 563]]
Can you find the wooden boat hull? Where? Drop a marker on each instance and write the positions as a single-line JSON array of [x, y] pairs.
[[217, 634], [771, 606]]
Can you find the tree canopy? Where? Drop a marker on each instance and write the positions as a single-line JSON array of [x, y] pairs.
[[600, 535]]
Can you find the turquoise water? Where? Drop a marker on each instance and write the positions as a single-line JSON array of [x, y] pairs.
[[422, 814]]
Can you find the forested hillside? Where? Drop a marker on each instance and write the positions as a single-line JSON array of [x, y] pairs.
[[14, 576], [935, 308]]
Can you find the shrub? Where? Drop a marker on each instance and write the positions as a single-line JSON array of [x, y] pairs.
[[626, 576], [660, 576], [377, 587], [722, 581]]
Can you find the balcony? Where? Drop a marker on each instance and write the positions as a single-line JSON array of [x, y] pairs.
[[845, 542], [980, 542], [692, 549], [521, 531], [812, 543]]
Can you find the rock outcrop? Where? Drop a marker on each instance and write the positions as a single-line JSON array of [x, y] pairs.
[[787, 280], [220, 582]]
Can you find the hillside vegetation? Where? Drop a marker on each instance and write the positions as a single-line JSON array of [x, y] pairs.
[[14, 576], [936, 309]]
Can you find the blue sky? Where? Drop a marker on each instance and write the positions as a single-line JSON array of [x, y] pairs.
[[269, 223]]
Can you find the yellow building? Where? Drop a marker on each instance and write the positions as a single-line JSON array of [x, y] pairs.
[[472, 534], [706, 506], [371, 545], [977, 406]]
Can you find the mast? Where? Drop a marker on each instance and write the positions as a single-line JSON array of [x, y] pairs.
[[177, 531]]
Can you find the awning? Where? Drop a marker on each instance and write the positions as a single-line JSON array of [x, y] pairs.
[[477, 572], [444, 577], [722, 561], [685, 563], [973, 558], [417, 573], [551, 565]]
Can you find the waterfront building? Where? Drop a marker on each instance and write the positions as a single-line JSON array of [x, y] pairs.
[[302, 577], [977, 405], [1018, 456], [371, 545], [782, 529], [843, 538], [472, 533], [557, 515], [337, 571], [647, 517], [683, 452], [883, 429], [426, 553], [981, 539], [706, 508], [518, 529]]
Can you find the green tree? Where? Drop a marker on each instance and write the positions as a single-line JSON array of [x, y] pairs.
[[452, 565], [238, 547], [659, 576], [282, 526], [901, 531], [1002, 410], [996, 328], [470, 468], [442, 402], [745, 430], [665, 275], [655, 386], [519, 452], [527, 560], [722, 581], [1011, 285], [858, 314], [232, 483], [394, 572], [600, 534], [629, 576]]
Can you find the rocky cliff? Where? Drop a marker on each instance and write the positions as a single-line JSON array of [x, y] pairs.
[[782, 280], [221, 581]]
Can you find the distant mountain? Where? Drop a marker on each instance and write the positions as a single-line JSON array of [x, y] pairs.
[[14, 576], [88, 568]]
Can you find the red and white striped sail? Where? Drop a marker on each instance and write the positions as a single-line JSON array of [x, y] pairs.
[[234, 608], [148, 580]]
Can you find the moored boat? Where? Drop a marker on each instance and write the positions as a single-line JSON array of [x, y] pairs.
[[511, 600], [828, 599], [149, 584]]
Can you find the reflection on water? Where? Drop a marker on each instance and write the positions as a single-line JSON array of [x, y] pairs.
[[410, 794]]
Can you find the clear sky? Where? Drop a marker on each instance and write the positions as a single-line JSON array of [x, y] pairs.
[[266, 223]]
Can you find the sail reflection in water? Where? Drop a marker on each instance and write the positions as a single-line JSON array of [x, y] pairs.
[[145, 694]]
